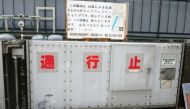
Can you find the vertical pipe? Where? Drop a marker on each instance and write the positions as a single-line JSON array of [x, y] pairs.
[[45, 21], [27, 57], [7, 82], [6, 24], [37, 20], [15, 61], [37, 24], [54, 20], [55, 26]]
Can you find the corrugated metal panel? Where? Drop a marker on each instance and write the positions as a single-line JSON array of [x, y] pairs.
[[166, 16]]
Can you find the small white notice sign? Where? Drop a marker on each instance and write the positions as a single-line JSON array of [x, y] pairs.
[[168, 61], [87, 19]]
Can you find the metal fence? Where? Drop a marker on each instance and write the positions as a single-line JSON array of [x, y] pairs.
[[154, 18]]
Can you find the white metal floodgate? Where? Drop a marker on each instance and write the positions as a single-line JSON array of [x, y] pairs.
[[89, 74], [145, 74], [69, 74], [47, 74], [131, 74], [103, 75], [167, 74]]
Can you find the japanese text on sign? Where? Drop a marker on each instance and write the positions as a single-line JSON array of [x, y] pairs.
[[47, 62], [134, 63], [92, 62], [168, 60], [96, 20]]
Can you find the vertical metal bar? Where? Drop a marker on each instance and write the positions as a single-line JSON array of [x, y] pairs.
[[53, 19], [142, 9], [6, 24], [160, 9], [28, 73], [7, 82], [35, 14], [133, 13], [37, 20], [56, 13], [150, 15], [2, 88], [177, 16], [15, 60], [168, 15], [185, 17]]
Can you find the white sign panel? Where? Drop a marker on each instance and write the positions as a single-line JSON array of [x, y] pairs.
[[168, 60], [96, 20]]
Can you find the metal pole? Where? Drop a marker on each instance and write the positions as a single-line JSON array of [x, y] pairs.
[[54, 20], [7, 83], [6, 24], [16, 80], [37, 24]]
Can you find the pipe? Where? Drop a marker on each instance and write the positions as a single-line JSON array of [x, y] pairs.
[[15, 60], [7, 83]]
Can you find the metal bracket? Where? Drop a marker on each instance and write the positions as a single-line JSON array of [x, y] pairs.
[[5, 18]]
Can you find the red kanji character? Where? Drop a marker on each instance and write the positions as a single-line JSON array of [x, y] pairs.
[[47, 62], [92, 59], [134, 63]]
